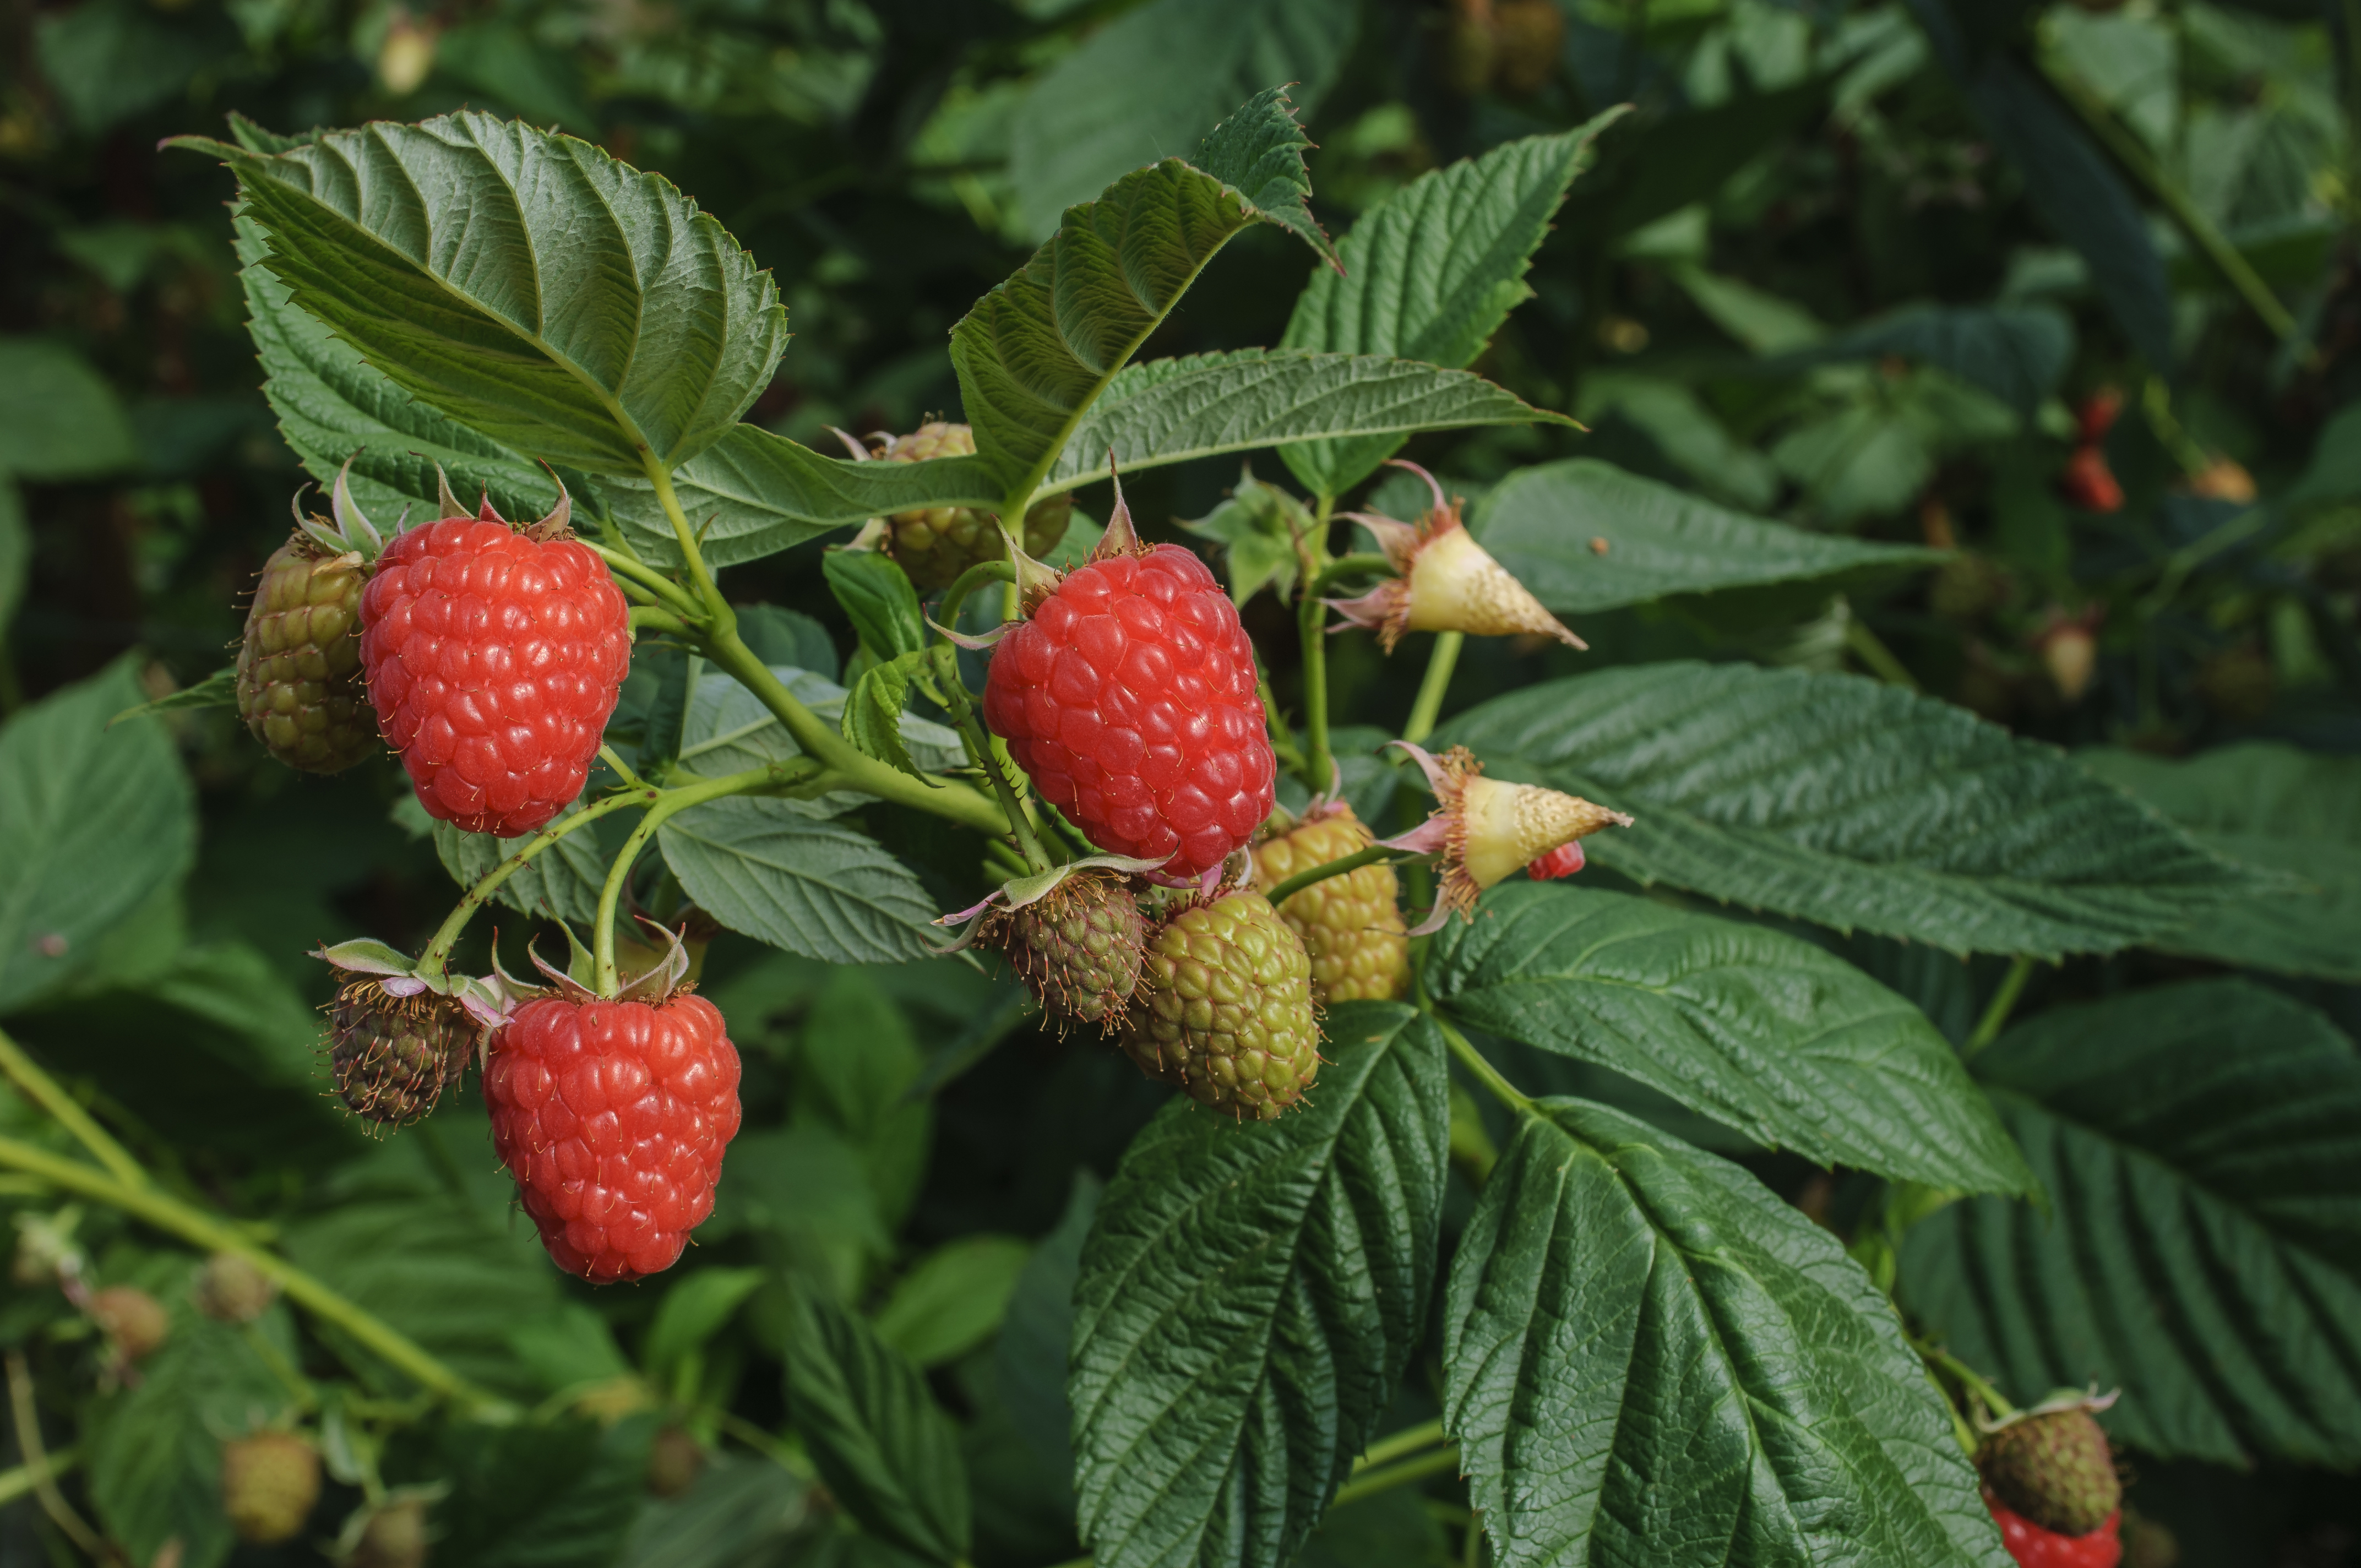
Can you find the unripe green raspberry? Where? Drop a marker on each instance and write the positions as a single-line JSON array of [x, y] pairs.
[[133, 1319], [233, 1291], [1224, 1008], [935, 544], [269, 1482], [393, 1537], [1077, 947], [2054, 1467], [1351, 925], [299, 668], [392, 1056]]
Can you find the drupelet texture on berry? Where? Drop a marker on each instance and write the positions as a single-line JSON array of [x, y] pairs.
[[493, 660], [1128, 697], [1351, 925], [2034, 1547], [1224, 1008], [612, 1116]]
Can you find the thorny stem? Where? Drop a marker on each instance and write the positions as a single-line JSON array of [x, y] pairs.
[[437, 957], [1485, 1072], [37, 1464], [1429, 706], [200, 1229], [2003, 1002], [1442, 1462], [1372, 856], [49, 1095]]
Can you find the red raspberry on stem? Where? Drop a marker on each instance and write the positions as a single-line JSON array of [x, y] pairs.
[[494, 656], [612, 1114], [1128, 697]]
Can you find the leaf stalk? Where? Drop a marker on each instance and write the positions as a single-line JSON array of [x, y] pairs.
[[2004, 1003], [1483, 1070], [1427, 707]]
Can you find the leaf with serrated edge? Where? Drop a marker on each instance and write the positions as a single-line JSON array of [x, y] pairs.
[[881, 1442], [2203, 1247], [1431, 272], [1037, 351], [1249, 1296], [1648, 1358], [814, 888], [527, 284], [1659, 542], [1763, 1031], [729, 729], [1852, 804], [562, 882], [872, 711]]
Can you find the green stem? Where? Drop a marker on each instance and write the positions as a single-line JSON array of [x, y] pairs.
[[437, 957], [718, 615], [650, 618], [967, 581], [17, 1483], [2003, 1002], [203, 1230], [2135, 157], [1319, 766], [1869, 650], [51, 1096], [620, 769], [1442, 1462], [979, 746], [1303, 879], [1485, 1072], [632, 573], [1429, 706], [1360, 566], [1408, 1441], [1944, 1364]]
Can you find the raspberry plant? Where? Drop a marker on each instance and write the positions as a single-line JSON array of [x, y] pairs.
[[1448, 1205]]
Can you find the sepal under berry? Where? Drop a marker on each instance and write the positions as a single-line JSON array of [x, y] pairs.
[[1223, 1007], [1444, 581], [1486, 829]]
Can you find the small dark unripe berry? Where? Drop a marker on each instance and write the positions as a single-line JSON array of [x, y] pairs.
[[134, 1321], [233, 1291], [395, 1537], [674, 1462], [269, 1482]]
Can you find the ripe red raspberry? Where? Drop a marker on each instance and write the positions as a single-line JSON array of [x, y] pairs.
[[494, 657], [612, 1117], [1128, 697], [2087, 482], [1562, 861], [2034, 1547]]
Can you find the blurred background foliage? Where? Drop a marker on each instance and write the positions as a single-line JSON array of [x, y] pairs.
[[1874, 268]]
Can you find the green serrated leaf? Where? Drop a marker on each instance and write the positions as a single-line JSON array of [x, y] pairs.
[[2202, 1248], [2015, 352], [1855, 805], [217, 690], [1431, 272], [879, 598], [1248, 1300], [1171, 410], [1643, 1346], [884, 1447], [1036, 352], [2273, 807], [562, 882], [1659, 543], [730, 730], [813, 888], [872, 711], [954, 1299], [1763, 1031], [92, 821], [526, 284]]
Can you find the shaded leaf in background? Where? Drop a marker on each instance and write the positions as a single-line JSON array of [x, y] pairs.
[[16, 550], [2015, 352], [112, 59], [1250, 1298], [1431, 272], [1145, 85], [787, 637], [1662, 164], [1030, 1358], [1759, 1030], [58, 418], [815, 888], [561, 882], [546, 1494], [884, 1447], [855, 1065], [2274, 806], [92, 821], [730, 730], [1855, 805], [695, 1306], [954, 1299], [1540, 523], [742, 1508], [1642, 1346], [526, 284], [2203, 1249]]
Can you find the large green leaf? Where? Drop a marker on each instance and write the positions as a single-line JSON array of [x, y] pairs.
[[2268, 805], [1148, 82], [537, 1495], [1649, 1359], [2203, 1249], [1029, 1361], [1037, 351], [1855, 805], [1431, 272], [92, 821], [1540, 523], [1249, 1297], [58, 418], [730, 730], [1169, 411], [527, 284], [2015, 352], [815, 888], [1765, 1032], [881, 1442]]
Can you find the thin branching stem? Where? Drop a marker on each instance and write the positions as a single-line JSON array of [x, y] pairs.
[[1374, 855], [1442, 1462], [2004, 1003], [437, 957], [48, 1094], [1485, 1073], [1428, 708]]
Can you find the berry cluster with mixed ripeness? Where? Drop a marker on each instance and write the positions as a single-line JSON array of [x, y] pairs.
[[935, 544], [494, 657], [1351, 925], [1077, 947], [1128, 696], [612, 1116]]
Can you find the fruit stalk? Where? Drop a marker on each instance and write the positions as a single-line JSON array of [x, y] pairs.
[[1442, 1462], [1471, 1058], [2003, 1002], [1427, 707], [439, 952], [51, 1096], [979, 747], [1372, 856], [1311, 618]]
